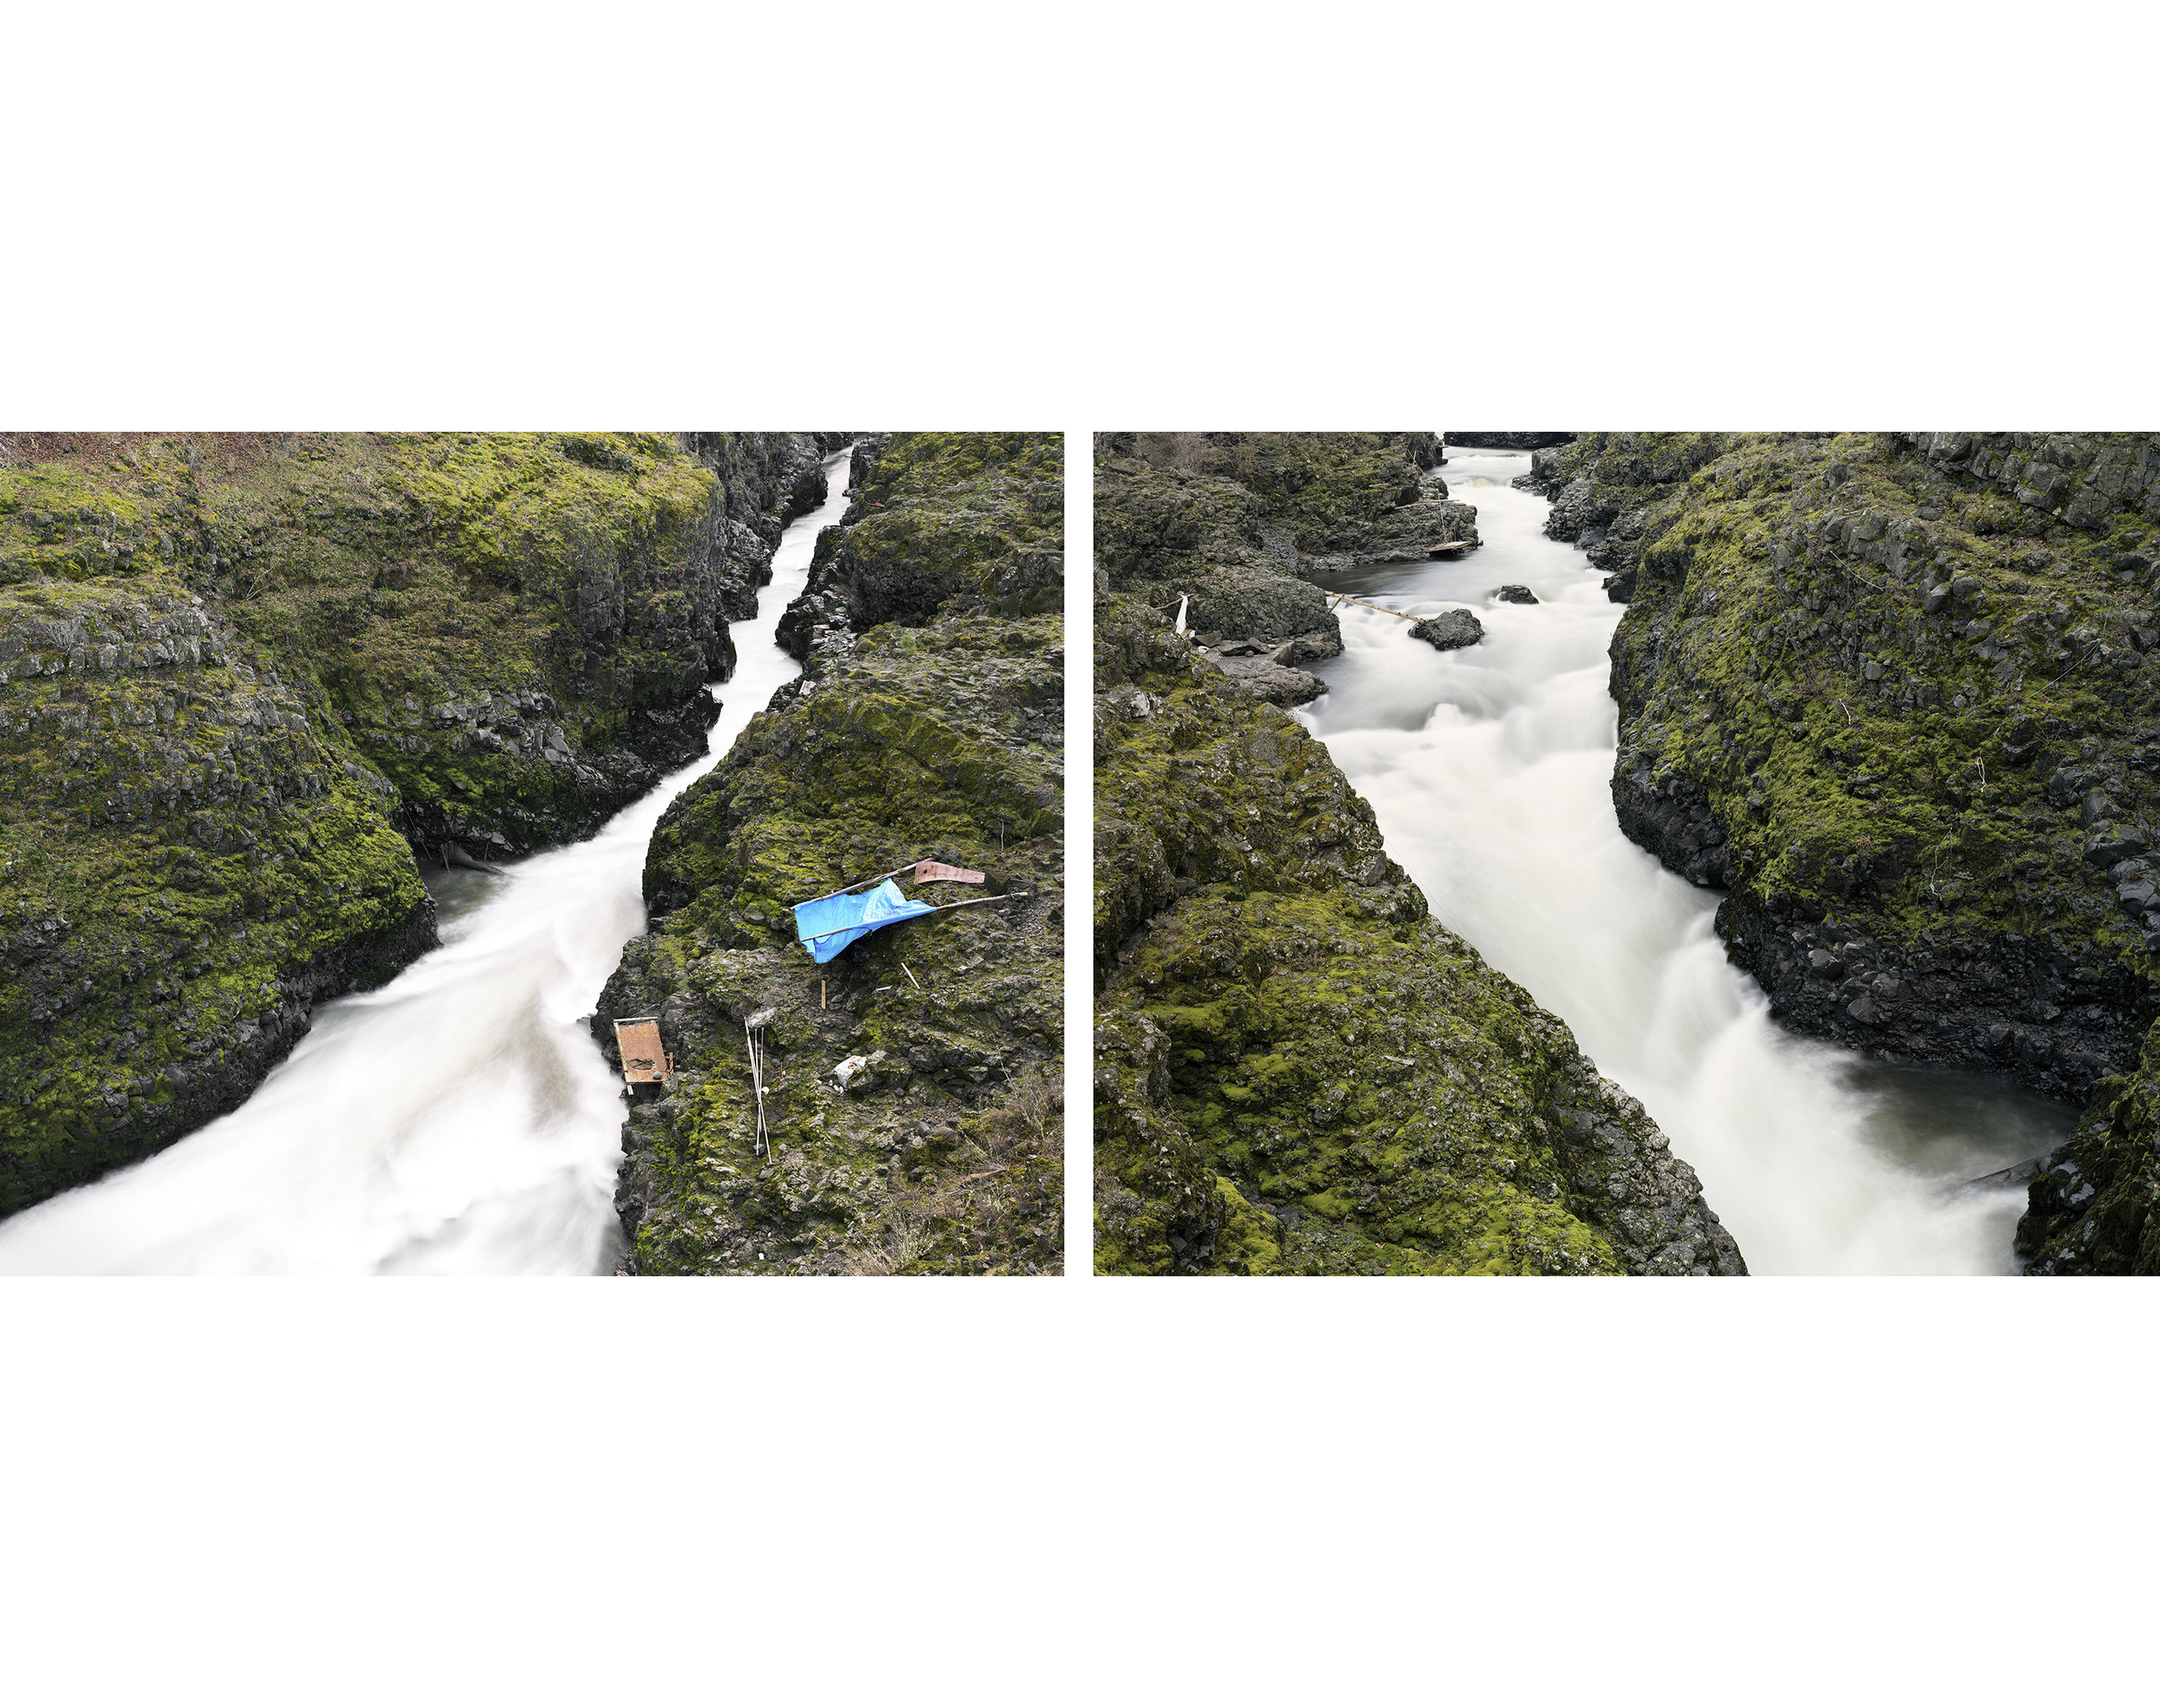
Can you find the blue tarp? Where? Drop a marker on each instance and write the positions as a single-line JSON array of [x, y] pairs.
[[826, 926]]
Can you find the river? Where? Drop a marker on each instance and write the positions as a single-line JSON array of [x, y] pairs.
[[1490, 768], [460, 1120]]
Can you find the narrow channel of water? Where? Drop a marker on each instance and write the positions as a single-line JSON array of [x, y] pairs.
[[458, 1120], [1490, 768]]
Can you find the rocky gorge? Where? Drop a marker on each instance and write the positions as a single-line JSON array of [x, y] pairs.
[[1299, 1069], [912, 1087], [250, 683], [1894, 692]]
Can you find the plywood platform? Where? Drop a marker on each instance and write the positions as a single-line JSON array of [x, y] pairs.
[[643, 1061]]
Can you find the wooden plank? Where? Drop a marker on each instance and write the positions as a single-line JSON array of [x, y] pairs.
[[936, 872], [643, 1061]]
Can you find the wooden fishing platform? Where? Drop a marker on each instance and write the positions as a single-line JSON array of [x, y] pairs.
[[645, 1062]]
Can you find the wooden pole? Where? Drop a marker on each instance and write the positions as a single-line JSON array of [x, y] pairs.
[[978, 901], [1352, 599]]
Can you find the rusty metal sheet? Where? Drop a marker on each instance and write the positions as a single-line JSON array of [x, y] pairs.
[[936, 872], [643, 1061]]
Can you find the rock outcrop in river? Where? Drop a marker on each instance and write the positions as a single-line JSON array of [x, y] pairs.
[[246, 678], [929, 722], [1896, 694], [1298, 1069]]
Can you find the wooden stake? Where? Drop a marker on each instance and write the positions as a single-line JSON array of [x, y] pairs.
[[912, 979], [821, 996]]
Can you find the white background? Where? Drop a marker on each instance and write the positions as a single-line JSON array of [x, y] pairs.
[[1114, 215]]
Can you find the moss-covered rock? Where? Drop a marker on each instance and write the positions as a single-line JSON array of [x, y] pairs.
[[1230, 524], [244, 677], [1897, 692], [187, 864], [1298, 1070], [935, 730], [936, 517], [2091, 1210], [1508, 442]]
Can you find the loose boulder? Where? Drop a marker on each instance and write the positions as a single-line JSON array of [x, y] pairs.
[[1514, 594], [1450, 629]]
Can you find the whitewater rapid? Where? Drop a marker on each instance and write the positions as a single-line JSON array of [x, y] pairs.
[[458, 1120], [1490, 768]]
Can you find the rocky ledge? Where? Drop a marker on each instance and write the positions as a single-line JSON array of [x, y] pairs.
[[1231, 530]]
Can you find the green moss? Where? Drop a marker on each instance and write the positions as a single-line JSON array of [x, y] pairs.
[[1374, 1086], [399, 574], [1320, 485], [1298, 1071], [1860, 751], [184, 859]]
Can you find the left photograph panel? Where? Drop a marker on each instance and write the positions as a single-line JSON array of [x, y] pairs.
[[531, 852]]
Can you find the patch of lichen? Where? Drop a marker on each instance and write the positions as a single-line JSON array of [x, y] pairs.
[[1865, 753]]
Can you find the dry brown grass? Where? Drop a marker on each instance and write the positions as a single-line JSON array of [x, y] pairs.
[[969, 1217]]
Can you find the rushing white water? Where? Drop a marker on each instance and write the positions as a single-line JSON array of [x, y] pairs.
[[458, 1120], [1490, 768]]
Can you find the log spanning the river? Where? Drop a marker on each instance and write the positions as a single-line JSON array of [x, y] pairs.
[[1352, 599]]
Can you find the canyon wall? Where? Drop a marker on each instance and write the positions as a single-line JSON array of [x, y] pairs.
[[247, 680], [1895, 692]]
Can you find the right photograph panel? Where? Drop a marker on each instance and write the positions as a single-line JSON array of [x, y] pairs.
[[1693, 853]]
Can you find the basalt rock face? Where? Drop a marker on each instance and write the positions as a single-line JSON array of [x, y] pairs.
[[1298, 1070], [1509, 442], [2093, 1209], [1896, 692], [890, 559], [244, 677], [932, 733], [1232, 524], [766, 480], [1603, 487]]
